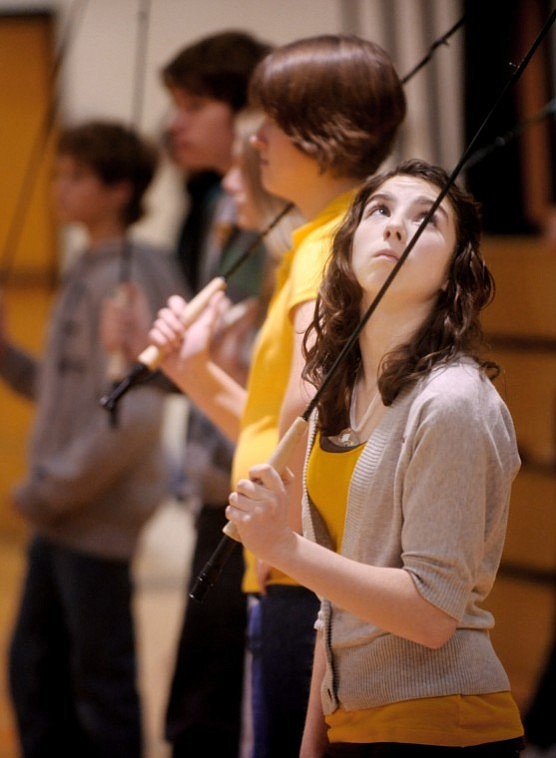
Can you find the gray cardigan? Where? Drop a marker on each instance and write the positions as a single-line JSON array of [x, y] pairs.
[[90, 486], [429, 493]]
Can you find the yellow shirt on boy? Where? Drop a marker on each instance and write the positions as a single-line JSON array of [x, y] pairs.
[[297, 281]]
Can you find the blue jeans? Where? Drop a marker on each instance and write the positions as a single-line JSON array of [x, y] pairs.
[[281, 640], [72, 665]]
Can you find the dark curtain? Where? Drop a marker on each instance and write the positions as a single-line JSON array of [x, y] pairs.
[[494, 42]]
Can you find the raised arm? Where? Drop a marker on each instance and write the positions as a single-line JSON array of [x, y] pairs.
[[189, 363], [385, 597], [18, 368]]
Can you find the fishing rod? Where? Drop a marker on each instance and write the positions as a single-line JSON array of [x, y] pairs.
[[151, 357], [117, 361], [287, 444], [502, 140], [442, 40]]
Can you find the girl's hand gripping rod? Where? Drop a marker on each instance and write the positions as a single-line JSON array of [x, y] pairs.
[[278, 460], [209, 575], [149, 360], [151, 357]]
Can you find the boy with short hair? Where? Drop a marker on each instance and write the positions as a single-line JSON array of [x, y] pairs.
[[208, 83], [90, 485]]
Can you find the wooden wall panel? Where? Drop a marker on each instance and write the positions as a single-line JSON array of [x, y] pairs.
[[531, 540], [528, 385], [525, 612], [27, 242], [521, 325], [27, 311], [27, 245], [525, 273]]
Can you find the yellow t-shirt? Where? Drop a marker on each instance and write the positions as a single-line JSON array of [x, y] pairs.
[[453, 720], [328, 476], [297, 281]]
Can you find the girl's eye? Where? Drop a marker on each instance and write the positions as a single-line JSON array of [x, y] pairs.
[[376, 209], [421, 216]]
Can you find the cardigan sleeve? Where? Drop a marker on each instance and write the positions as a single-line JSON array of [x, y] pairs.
[[459, 460]]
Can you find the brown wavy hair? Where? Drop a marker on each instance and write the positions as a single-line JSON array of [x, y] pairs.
[[218, 66], [337, 97], [452, 327], [115, 154]]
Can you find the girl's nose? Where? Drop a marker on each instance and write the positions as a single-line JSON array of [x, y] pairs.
[[395, 229]]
